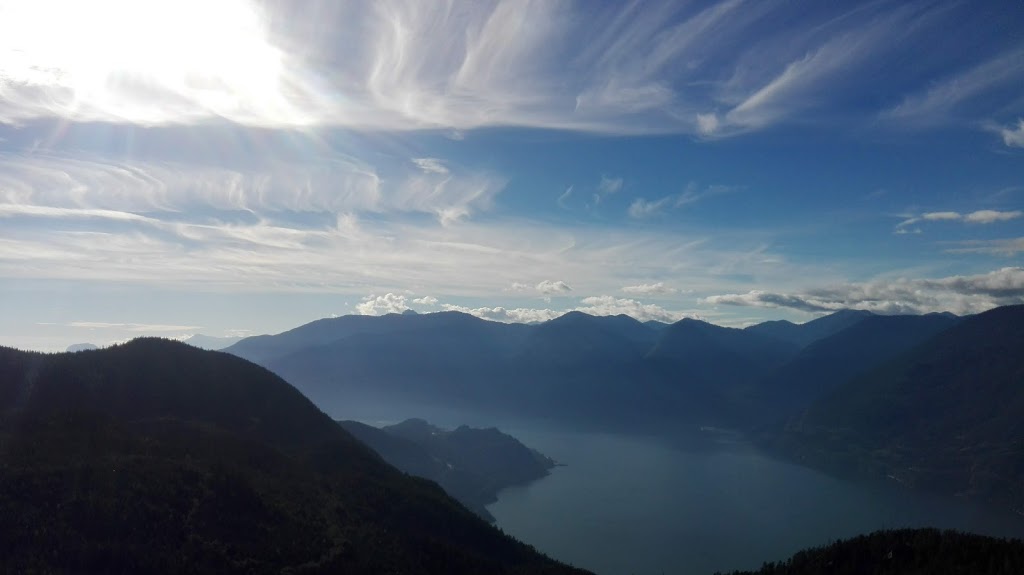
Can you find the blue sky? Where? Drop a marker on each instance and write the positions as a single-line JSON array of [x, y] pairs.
[[240, 167]]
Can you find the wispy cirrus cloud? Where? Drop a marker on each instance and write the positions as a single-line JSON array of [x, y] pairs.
[[606, 187], [713, 69], [431, 165], [642, 208], [938, 102], [90, 187], [657, 288], [564, 197], [1008, 247]]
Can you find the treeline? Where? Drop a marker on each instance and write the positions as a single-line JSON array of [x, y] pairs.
[[905, 552]]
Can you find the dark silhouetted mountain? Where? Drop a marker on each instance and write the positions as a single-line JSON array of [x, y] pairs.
[[266, 349], [834, 360], [578, 369], [472, 465], [945, 416], [449, 358], [155, 456], [81, 347], [656, 325], [211, 342], [803, 334], [577, 340], [698, 353], [905, 552], [608, 371]]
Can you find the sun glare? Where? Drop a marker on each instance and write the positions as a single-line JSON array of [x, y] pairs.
[[149, 61]]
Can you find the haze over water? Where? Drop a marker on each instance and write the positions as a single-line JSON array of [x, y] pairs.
[[623, 505]]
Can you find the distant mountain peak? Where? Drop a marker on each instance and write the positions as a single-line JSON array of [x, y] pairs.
[[81, 347]]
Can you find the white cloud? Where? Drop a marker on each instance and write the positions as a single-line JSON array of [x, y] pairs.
[[425, 300], [402, 65], [658, 288], [340, 228], [797, 86], [707, 124], [1003, 247], [609, 186], [1014, 136], [505, 315], [693, 194], [382, 304], [959, 294], [938, 102], [430, 165], [56, 186], [564, 197], [941, 216], [641, 208], [548, 287], [609, 305], [976, 217], [606, 187], [990, 216], [603, 305]]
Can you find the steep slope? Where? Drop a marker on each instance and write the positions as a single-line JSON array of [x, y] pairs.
[[154, 456], [946, 416], [472, 465], [905, 552], [804, 334], [834, 360]]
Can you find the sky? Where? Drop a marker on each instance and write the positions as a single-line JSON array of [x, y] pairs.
[[240, 167]]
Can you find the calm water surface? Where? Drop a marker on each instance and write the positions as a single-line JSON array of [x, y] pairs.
[[624, 505]]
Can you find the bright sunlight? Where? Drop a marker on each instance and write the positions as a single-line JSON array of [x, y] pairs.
[[145, 61]]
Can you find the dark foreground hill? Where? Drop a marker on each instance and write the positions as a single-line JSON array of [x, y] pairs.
[[947, 416], [905, 552], [471, 464], [154, 456]]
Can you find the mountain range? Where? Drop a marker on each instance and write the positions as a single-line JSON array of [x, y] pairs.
[[932, 401], [606, 371]]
